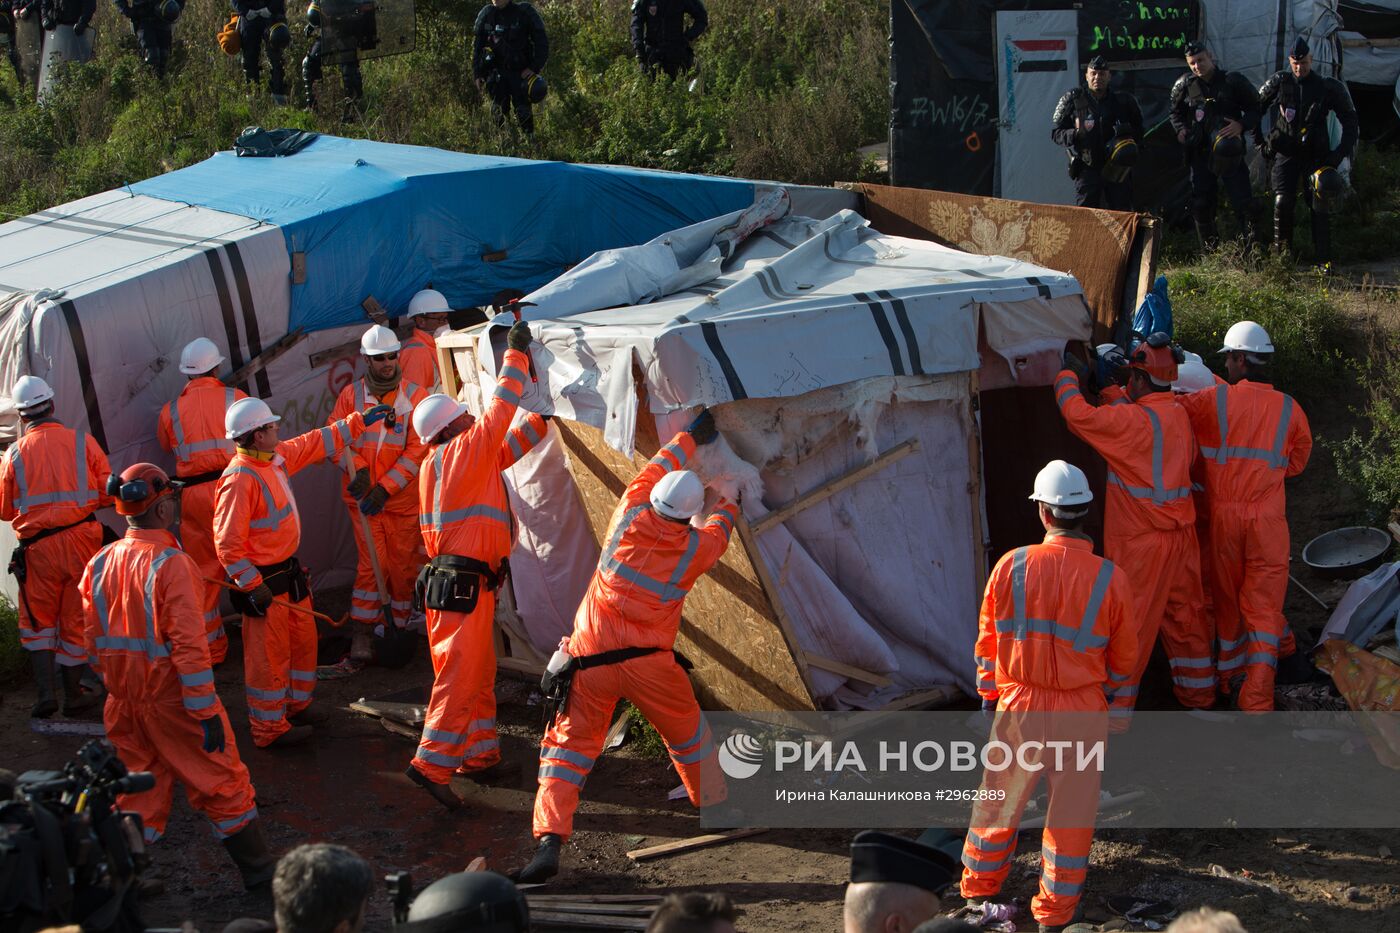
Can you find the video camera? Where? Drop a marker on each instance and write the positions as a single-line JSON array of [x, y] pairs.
[[68, 854]]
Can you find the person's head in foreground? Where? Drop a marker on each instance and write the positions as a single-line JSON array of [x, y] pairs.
[[694, 913], [468, 902], [321, 889], [1207, 920], [895, 883]]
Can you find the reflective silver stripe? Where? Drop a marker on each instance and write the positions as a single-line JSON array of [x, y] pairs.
[[264, 714], [197, 679], [559, 773], [364, 614], [1278, 460], [1062, 397], [148, 595], [984, 846], [506, 395], [183, 451], [225, 827], [365, 594], [531, 435], [478, 725], [1190, 662], [1222, 421], [1264, 637], [1018, 593], [397, 478], [302, 675], [480, 748], [150, 835], [246, 577], [148, 648], [699, 734], [1085, 637], [437, 520], [516, 448], [99, 594], [81, 495], [328, 441], [979, 865], [700, 754], [1062, 888], [275, 516], [548, 753], [80, 470], [1159, 497], [447, 738], [691, 544], [1193, 683], [986, 664], [1127, 690], [437, 758], [267, 696], [512, 372], [622, 525], [1227, 644], [1050, 627], [1063, 862], [217, 634], [675, 450], [200, 702], [299, 695]]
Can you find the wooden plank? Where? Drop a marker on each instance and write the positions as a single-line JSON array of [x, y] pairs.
[[508, 618], [540, 918], [676, 847], [974, 484], [593, 910], [1394, 530], [760, 566], [829, 489], [261, 361], [923, 699], [847, 670], [340, 351], [410, 714], [375, 311], [729, 630], [399, 728], [597, 898]]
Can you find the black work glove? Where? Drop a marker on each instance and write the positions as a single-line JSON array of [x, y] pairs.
[[1074, 364], [359, 485], [702, 430], [213, 734], [379, 413], [373, 502], [519, 337], [261, 598]]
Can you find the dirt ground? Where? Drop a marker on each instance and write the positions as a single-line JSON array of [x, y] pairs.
[[347, 787]]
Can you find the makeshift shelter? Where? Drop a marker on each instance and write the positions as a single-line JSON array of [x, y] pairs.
[[974, 85], [277, 259], [844, 368]]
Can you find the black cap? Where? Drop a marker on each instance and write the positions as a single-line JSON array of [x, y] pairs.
[[1098, 63], [1300, 48], [1195, 47], [877, 856]]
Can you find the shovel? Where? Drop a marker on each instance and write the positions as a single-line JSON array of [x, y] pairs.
[[282, 602], [360, 648]]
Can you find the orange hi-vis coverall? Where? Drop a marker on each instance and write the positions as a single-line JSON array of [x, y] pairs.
[[192, 428], [392, 456], [465, 512], [1150, 531], [145, 626], [256, 524], [54, 477], [1251, 437], [634, 601], [418, 361], [1055, 636]]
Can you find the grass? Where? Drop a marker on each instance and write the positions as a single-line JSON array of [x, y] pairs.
[[13, 662]]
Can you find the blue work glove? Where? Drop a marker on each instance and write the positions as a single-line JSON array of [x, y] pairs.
[[213, 734], [373, 502], [702, 430], [379, 413]]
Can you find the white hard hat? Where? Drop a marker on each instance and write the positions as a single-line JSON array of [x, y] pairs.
[[1192, 357], [678, 495], [1104, 348], [428, 301], [435, 413], [1249, 337], [1192, 376], [199, 356], [247, 414], [31, 392], [378, 340], [1062, 484]]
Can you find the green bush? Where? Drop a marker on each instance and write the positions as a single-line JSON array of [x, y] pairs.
[[1370, 459], [1297, 309], [13, 662]]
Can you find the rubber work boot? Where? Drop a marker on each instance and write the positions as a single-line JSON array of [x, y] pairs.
[[76, 701], [440, 792], [249, 851], [545, 864], [361, 645], [46, 704], [1283, 225], [296, 735]]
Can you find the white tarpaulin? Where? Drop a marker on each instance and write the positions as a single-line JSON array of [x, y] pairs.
[[823, 344]]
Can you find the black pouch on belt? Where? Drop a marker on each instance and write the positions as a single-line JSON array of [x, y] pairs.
[[286, 579], [450, 583]]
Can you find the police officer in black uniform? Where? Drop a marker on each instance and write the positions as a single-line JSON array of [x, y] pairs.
[[264, 22], [346, 60], [1211, 110], [1098, 128], [511, 48], [152, 21], [1298, 146], [7, 28], [660, 38]]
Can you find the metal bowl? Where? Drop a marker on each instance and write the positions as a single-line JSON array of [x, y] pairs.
[[1346, 552]]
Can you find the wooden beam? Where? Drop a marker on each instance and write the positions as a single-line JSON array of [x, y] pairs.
[[829, 489], [318, 359], [974, 484], [765, 580], [261, 361], [923, 699], [847, 670], [597, 898], [570, 921], [676, 847], [1362, 42], [1394, 530]]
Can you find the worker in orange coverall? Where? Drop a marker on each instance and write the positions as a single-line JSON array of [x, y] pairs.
[[623, 638], [143, 601], [1252, 436], [1056, 634], [383, 487], [192, 428], [1149, 525], [257, 529], [466, 524], [428, 309], [51, 481]]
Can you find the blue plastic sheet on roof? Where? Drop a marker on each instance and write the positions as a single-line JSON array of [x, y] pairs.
[[385, 220]]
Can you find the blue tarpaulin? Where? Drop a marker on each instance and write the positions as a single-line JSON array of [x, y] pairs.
[[416, 216]]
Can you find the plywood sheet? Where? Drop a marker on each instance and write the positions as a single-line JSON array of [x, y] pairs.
[[729, 629]]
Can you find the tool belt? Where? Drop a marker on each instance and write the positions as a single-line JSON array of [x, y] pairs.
[[195, 480], [18, 565], [284, 578], [555, 685], [449, 583]]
